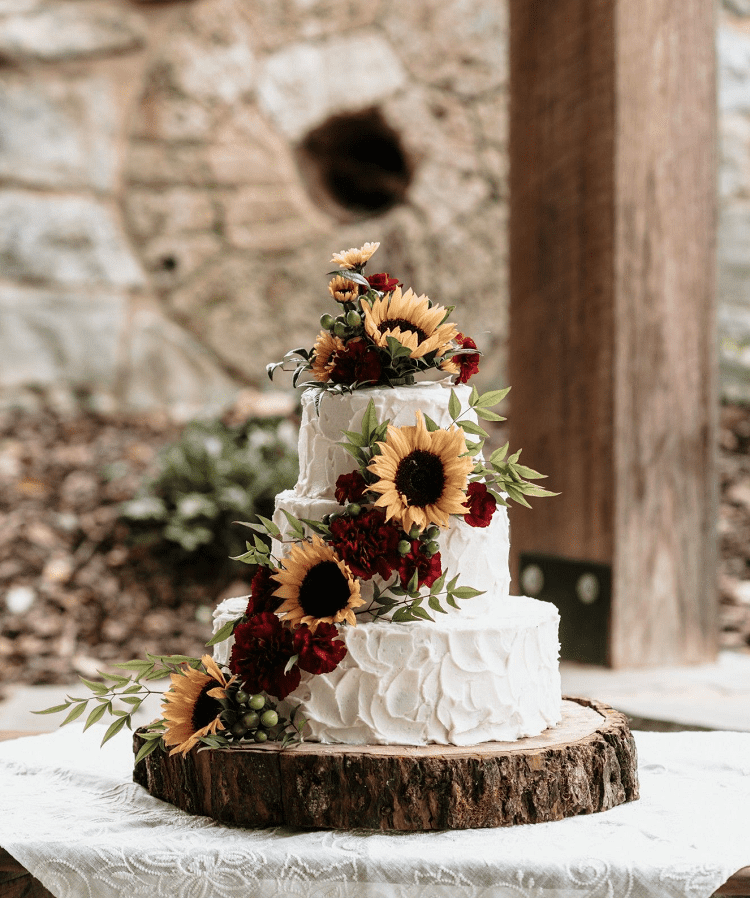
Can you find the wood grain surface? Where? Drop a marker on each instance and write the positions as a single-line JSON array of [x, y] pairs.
[[585, 765], [612, 333]]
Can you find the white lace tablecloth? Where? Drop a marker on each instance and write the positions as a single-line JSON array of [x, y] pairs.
[[71, 815]]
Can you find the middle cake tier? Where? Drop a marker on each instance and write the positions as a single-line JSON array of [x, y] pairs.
[[479, 555]]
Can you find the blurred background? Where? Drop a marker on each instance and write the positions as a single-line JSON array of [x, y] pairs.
[[174, 175]]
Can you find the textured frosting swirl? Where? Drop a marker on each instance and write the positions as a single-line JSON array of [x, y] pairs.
[[494, 680], [325, 416]]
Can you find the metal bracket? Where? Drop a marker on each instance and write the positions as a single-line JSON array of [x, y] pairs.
[[582, 591]]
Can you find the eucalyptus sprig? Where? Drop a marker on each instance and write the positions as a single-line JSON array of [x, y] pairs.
[[131, 690], [408, 601]]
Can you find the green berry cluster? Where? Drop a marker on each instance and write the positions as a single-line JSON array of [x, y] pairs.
[[349, 324], [427, 538], [249, 716]]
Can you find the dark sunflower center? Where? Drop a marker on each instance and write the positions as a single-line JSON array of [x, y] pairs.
[[205, 708], [404, 324], [420, 477], [324, 590]]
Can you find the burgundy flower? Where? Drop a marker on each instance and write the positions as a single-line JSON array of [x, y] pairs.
[[319, 652], [481, 504], [383, 282], [262, 588], [350, 488], [367, 543], [358, 362], [468, 364], [262, 648], [428, 569]]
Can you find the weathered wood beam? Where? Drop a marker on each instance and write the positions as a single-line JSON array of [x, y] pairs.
[[612, 349]]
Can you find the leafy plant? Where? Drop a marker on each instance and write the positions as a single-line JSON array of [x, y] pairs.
[[210, 477]]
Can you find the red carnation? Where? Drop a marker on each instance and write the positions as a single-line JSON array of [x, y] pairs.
[[357, 362], [350, 488], [383, 282], [481, 504], [367, 543], [319, 652], [262, 588], [468, 363], [262, 648], [428, 569]]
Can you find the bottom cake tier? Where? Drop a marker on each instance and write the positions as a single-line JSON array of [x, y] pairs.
[[491, 680]]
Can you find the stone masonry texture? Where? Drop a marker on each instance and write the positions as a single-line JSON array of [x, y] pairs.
[[165, 233]]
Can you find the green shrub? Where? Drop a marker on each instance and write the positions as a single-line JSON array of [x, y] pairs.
[[209, 478]]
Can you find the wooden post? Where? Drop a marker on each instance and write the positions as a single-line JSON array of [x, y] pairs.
[[612, 349]]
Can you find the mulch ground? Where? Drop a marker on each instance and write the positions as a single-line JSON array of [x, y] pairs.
[[77, 594]]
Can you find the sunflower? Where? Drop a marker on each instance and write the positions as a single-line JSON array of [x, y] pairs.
[[191, 707], [354, 258], [342, 289], [326, 347], [317, 586], [423, 475], [409, 319]]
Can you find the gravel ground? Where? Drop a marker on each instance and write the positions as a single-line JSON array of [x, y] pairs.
[[76, 594]]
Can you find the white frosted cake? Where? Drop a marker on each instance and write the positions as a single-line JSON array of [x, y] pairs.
[[486, 670]]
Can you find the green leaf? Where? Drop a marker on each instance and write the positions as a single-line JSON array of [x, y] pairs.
[[451, 601], [316, 526], [487, 415], [467, 592], [454, 406], [529, 473], [470, 427], [438, 584], [75, 713], [271, 528], [402, 615], [133, 700], [96, 688], [55, 710], [430, 424], [369, 422], [133, 665], [413, 586], [421, 613], [498, 455], [147, 748], [297, 529], [473, 399], [356, 439], [114, 729], [434, 603], [492, 397], [95, 715]]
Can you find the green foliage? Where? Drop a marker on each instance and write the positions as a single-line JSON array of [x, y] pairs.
[[209, 478]]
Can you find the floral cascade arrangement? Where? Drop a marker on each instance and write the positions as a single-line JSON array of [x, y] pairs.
[[377, 558]]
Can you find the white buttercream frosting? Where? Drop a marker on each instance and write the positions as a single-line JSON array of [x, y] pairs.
[[478, 554], [325, 416], [490, 680]]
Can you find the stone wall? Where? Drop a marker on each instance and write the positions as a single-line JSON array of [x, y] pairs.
[[168, 199], [174, 175]]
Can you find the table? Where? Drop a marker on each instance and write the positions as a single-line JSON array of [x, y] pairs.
[[121, 842]]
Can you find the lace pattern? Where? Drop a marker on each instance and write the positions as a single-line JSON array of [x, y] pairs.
[[73, 817]]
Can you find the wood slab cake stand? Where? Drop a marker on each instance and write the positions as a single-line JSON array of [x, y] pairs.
[[586, 764]]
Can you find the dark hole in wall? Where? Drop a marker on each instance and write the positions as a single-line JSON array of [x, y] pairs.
[[355, 165]]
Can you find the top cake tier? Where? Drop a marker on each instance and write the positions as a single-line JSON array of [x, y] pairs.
[[324, 416]]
